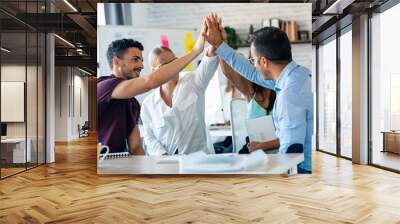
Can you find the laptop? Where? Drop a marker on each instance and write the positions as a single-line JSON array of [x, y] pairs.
[[3, 131], [261, 129]]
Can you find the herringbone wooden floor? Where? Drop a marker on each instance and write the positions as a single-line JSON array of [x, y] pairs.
[[69, 191]]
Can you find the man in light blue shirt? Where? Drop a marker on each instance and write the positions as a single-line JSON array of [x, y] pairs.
[[271, 66]]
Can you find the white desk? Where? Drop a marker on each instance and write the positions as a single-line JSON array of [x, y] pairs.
[[220, 131], [277, 164], [18, 150]]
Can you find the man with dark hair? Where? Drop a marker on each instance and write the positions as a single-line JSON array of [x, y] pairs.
[[271, 66], [119, 47], [118, 110]]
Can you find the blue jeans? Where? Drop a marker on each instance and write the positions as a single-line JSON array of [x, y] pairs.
[[298, 148], [302, 171]]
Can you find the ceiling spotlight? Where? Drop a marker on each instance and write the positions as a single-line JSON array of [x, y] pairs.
[[64, 40], [5, 49], [84, 71], [70, 5], [338, 6]]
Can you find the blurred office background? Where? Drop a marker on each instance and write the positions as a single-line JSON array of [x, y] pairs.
[[48, 76]]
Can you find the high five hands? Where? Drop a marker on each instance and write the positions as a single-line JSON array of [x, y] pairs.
[[215, 33], [212, 31], [199, 46]]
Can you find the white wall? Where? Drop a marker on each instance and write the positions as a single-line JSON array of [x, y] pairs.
[[189, 16], [68, 81], [61, 103], [16, 73], [13, 72], [237, 15], [80, 83], [33, 126]]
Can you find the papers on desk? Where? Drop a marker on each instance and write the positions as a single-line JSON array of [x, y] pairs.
[[261, 129], [201, 162], [177, 158]]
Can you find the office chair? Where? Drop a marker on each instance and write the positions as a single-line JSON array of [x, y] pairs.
[[84, 130]]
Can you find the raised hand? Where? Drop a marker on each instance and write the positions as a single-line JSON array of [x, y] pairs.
[[199, 46], [213, 35], [222, 30]]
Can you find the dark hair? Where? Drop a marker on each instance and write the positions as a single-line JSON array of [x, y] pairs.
[[272, 95], [119, 47], [273, 44]]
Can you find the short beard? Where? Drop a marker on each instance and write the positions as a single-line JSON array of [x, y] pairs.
[[124, 72]]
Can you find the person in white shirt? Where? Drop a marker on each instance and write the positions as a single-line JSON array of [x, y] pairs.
[[173, 115]]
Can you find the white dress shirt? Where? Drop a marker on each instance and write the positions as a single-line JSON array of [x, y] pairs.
[[182, 126]]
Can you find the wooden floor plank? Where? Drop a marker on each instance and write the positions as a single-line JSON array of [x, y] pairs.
[[70, 191]]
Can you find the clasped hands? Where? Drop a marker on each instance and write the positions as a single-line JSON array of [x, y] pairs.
[[213, 32]]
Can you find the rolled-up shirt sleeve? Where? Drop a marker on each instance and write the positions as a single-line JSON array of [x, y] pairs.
[[243, 66]]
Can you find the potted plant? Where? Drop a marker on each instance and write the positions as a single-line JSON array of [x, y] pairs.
[[233, 39], [251, 31]]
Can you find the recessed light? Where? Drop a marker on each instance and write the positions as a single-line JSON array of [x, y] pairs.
[[5, 49], [64, 40], [84, 71], [70, 5]]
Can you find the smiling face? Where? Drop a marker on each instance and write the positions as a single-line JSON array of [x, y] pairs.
[[131, 63]]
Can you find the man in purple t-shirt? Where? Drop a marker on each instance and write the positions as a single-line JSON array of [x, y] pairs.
[[117, 109], [117, 118]]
